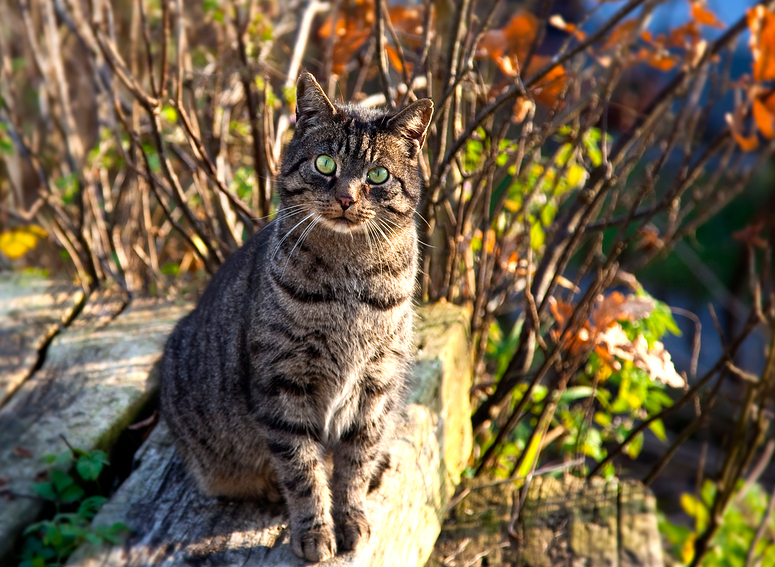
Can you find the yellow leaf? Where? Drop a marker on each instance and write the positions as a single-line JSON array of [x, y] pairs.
[[511, 205], [576, 175], [17, 242], [530, 456], [200, 245]]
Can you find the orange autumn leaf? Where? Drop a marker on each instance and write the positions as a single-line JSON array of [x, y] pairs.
[[548, 89], [660, 60], [354, 22], [408, 22], [684, 36], [705, 16], [764, 119], [735, 121], [489, 243], [620, 33], [746, 143], [761, 22], [395, 60], [509, 46], [769, 102], [522, 107]]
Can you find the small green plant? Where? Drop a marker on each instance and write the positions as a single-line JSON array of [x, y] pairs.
[[624, 381], [735, 542], [73, 474]]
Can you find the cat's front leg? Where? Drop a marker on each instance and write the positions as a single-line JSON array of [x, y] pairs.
[[359, 455], [303, 479]]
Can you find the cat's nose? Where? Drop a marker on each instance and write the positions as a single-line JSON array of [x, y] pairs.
[[345, 201]]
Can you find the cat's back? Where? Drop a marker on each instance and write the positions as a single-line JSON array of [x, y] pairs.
[[208, 346]]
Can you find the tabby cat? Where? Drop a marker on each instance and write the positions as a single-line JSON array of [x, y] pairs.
[[296, 358]]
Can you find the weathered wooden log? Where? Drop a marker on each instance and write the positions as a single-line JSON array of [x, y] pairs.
[[173, 524], [561, 522], [96, 377], [32, 310]]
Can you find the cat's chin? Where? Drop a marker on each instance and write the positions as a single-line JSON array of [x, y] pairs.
[[343, 225]]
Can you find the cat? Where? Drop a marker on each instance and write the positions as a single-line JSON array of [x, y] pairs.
[[296, 359]]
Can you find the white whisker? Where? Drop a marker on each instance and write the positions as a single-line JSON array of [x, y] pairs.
[[369, 226], [301, 238], [289, 232]]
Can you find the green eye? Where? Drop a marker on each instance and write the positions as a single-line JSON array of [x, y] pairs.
[[377, 175], [325, 165]]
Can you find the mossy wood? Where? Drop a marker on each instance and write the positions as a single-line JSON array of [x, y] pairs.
[[32, 310], [562, 522], [96, 376], [173, 524]]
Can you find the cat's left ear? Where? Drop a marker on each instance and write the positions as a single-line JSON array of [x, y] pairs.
[[312, 104], [412, 123]]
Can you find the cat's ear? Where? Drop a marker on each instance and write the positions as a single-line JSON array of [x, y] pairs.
[[312, 104], [412, 123]]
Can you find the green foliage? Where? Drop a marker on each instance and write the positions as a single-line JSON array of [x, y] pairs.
[[6, 145], [72, 474], [731, 544], [243, 182], [589, 417], [68, 185]]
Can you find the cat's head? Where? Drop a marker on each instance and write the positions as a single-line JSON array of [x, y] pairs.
[[350, 164]]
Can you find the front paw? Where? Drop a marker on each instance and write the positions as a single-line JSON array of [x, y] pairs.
[[315, 544], [352, 529]]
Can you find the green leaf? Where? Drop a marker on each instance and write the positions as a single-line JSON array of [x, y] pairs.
[[708, 493], [114, 533], [169, 114], [44, 490], [658, 428], [634, 447], [90, 506], [72, 493], [61, 480], [576, 393], [537, 234], [51, 535], [603, 419], [90, 465]]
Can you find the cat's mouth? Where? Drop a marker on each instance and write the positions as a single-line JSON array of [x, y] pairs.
[[343, 224]]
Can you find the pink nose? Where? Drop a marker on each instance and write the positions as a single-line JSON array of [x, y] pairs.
[[345, 201]]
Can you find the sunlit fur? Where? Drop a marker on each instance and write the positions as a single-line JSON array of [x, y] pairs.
[[290, 374]]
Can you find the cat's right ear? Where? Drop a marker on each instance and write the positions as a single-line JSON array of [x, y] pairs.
[[312, 104]]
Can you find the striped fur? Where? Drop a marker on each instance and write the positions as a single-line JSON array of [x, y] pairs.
[[288, 377]]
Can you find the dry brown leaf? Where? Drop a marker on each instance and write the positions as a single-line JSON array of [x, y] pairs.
[[22, 452], [522, 107], [750, 235], [618, 307], [613, 343], [657, 362]]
